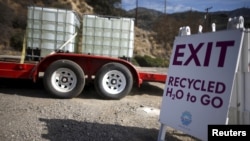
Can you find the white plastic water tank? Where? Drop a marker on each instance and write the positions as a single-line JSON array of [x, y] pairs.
[[200, 29], [236, 23], [185, 30], [213, 27], [49, 28], [108, 36]]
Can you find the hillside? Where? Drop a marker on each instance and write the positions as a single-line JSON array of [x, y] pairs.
[[14, 15], [154, 31], [14, 19]]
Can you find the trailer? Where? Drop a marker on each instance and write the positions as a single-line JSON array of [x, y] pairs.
[[65, 70], [65, 74]]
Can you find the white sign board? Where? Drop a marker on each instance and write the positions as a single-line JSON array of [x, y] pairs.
[[199, 81]]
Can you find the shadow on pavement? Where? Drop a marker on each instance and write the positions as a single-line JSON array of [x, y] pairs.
[[23, 87], [70, 130], [28, 88], [148, 88]]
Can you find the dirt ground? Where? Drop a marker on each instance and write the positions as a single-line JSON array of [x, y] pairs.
[[28, 113]]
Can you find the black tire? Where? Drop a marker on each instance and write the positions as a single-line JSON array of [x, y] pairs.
[[113, 81], [64, 79]]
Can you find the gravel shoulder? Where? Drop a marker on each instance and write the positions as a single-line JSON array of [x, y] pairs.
[[28, 113]]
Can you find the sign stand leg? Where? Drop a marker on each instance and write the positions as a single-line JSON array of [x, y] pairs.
[[162, 133]]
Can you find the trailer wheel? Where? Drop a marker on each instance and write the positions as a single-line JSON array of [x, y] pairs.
[[113, 81], [64, 79]]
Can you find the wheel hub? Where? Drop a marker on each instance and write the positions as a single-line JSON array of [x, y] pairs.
[[113, 81], [64, 79]]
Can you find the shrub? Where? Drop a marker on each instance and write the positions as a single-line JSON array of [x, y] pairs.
[[147, 61], [16, 41]]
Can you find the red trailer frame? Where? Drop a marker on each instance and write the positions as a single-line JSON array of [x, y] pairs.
[[12, 68]]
